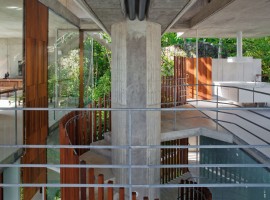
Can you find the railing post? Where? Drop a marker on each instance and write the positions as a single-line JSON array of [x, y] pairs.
[[100, 189], [83, 180], [134, 195], [110, 191], [16, 118], [121, 193], [91, 180], [129, 154], [253, 96], [217, 110], [43, 193]]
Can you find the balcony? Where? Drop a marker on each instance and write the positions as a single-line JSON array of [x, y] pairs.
[[208, 146]]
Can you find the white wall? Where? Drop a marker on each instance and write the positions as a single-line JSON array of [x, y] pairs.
[[224, 71], [10, 54]]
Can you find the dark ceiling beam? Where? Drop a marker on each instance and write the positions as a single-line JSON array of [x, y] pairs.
[[142, 9], [210, 9], [131, 5]]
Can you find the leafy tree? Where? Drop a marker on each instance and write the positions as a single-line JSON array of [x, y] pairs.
[[259, 48], [169, 39]]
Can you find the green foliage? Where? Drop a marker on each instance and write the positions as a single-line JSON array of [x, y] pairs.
[[208, 47], [259, 48], [169, 39], [103, 86], [69, 74], [167, 65], [102, 73]]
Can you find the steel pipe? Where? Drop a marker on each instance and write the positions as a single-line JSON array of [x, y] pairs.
[[142, 9], [131, 9]]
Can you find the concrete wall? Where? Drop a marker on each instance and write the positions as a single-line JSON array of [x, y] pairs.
[[224, 71], [10, 54]]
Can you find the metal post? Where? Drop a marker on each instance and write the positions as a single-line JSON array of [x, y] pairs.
[[217, 110], [129, 154], [43, 193], [16, 118], [197, 66], [175, 88], [253, 96]]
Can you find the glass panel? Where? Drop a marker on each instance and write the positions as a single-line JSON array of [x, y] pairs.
[[97, 75], [11, 76], [63, 69]]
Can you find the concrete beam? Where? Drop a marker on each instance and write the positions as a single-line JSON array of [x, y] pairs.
[[88, 24], [210, 9], [61, 10]]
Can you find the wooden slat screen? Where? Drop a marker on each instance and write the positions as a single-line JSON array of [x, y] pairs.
[[173, 89], [180, 76], [193, 192], [174, 156], [35, 90]]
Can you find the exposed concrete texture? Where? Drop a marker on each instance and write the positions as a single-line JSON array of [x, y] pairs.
[[136, 84], [62, 10], [107, 11], [251, 17], [174, 135], [10, 54]]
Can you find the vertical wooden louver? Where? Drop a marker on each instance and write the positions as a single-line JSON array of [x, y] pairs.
[[35, 92]]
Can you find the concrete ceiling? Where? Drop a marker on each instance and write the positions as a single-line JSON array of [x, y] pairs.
[[11, 18], [217, 20], [212, 18]]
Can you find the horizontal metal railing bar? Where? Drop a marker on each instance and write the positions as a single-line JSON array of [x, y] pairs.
[[133, 109], [235, 114], [127, 166], [223, 121], [229, 86], [244, 146], [212, 185], [227, 103]]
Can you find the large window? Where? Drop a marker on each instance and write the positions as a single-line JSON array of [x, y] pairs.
[[11, 75], [63, 66]]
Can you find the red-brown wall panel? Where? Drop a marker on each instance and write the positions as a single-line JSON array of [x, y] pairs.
[[35, 122]]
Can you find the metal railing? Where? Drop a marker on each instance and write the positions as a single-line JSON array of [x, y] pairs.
[[129, 148]]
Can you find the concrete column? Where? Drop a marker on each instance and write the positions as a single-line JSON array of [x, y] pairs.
[[136, 83], [12, 176]]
